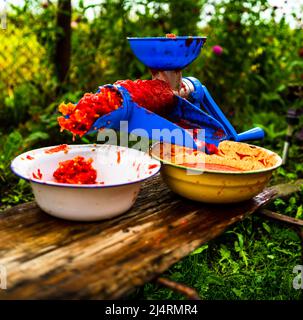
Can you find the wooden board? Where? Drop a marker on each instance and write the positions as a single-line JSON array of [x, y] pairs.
[[50, 258]]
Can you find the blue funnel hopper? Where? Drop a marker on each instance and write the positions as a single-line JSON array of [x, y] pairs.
[[167, 53]]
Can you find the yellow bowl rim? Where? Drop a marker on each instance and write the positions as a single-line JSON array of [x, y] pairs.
[[278, 164]]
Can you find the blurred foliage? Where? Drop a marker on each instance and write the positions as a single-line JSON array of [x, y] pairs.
[[22, 72], [257, 66], [256, 78]]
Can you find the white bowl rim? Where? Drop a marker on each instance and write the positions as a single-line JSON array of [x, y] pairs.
[[85, 186], [277, 165]]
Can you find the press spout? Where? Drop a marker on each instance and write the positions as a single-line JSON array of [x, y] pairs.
[[172, 77]]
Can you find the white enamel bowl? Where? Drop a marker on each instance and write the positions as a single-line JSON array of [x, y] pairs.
[[120, 172]]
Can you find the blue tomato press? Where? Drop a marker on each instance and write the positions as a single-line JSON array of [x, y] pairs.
[[166, 57]]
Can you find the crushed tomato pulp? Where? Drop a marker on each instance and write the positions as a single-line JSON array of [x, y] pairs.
[[155, 95], [76, 171], [79, 118]]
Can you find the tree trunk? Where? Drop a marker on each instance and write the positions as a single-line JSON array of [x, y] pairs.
[[63, 41]]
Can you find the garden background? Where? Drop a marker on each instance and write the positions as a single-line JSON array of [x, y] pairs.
[[252, 63]]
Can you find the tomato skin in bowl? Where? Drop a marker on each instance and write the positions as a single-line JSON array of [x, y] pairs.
[[211, 166], [216, 183]]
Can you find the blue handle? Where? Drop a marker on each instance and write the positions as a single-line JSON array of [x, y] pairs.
[[252, 134], [197, 118], [202, 98]]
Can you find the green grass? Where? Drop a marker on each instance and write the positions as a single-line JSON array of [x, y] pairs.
[[253, 260]]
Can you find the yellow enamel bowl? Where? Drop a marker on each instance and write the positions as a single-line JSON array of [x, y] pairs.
[[216, 186]]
